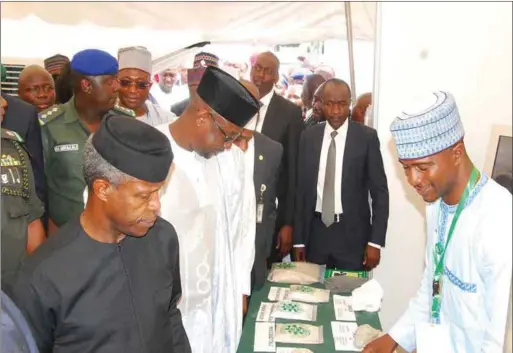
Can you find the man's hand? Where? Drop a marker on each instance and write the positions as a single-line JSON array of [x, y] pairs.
[[372, 257], [52, 227], [244, 304], [284, 240], [300, 254], [384, 344]]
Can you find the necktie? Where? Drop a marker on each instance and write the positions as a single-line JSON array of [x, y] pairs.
[[328, 193]]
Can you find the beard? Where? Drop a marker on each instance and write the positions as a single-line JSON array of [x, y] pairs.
[[166, 88]]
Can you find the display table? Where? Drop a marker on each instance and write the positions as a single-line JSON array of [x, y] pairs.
[[325, 316]]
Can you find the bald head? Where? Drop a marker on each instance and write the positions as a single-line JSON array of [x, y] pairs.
[[251, 87], [265, 72], [360, 107], [36, 87]]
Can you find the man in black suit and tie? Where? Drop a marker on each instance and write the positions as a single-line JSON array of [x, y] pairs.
[[263, 156], [281, 121], [340, 163]]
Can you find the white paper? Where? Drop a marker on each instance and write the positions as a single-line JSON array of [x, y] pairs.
[[264, 337], [432, 338], [277, 294], [292, 350], [343, 336], [343, 308], [265, 312]]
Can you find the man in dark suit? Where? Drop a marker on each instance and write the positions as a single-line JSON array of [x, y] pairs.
[[22, 118], [340, 163], [281, 121], [263, 155]]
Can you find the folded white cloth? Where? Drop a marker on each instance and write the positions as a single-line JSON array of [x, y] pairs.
[[368, 297]]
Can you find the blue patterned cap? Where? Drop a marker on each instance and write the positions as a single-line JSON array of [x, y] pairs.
[[429, 128], [94, 62]]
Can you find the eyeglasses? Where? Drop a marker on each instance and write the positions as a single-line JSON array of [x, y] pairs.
[[140, 85], [227, 138]]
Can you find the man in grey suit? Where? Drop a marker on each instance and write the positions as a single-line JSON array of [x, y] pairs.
[[263, 156]]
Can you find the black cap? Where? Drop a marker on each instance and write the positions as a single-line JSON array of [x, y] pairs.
[[134, 147], [227, 96]]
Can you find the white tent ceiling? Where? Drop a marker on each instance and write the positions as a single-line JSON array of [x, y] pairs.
[[41, 29]]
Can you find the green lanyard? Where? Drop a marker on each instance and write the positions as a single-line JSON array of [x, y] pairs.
[[440, 249]]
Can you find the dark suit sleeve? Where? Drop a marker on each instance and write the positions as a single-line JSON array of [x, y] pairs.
[[31, 298], [181, 342], [35, 148], [378, 187], [293, 135], [299, 236]]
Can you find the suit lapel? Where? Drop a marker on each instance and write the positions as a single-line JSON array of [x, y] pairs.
[[270, 126], [349, 150], [317, 147], [259, 164]]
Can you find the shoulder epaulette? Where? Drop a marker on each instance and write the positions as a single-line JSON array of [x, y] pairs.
[[122, 110], [11, 135], [49, 114]]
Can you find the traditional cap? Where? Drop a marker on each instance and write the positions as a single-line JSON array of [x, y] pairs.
[[429, 127], [55, 63], [204, 59], [227, 96], [134, 148], [201, 61], [94, 62], [4, 72], [134, 58]]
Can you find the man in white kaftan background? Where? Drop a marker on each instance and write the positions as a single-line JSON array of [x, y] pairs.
[[211, 203]]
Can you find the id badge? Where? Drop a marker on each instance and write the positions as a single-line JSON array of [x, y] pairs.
[[260, 212], [433, 338]]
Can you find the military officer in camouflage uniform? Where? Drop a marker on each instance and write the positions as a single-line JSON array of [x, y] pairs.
[[66, 127], [22, 229]]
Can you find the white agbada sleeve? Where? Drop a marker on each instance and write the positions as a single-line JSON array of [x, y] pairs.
[[245, 254], [495, 270], [418, 309], [243, 220]]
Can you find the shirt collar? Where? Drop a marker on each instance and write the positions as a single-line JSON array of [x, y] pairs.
[[266, 100], [341, 130]]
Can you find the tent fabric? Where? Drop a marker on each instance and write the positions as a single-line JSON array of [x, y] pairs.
[[166, 26]]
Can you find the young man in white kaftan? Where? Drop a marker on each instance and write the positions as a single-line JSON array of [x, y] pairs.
[[463, 299], [211, 202]]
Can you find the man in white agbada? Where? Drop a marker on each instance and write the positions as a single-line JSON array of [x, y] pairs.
[[462, 303], [211, 203], [134, 86]]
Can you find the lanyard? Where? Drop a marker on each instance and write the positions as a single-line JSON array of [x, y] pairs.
[[440, 249]]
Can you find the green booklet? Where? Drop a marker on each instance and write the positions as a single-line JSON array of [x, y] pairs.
[[332, 272]]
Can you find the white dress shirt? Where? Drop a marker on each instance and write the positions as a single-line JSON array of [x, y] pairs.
[[340, 143], [253, 124]]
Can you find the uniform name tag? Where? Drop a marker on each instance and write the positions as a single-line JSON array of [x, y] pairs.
[[433, 338], [260, 212], [66, 148]]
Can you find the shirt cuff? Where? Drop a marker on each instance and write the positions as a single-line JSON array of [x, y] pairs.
[[299, 246], [377, 246]]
